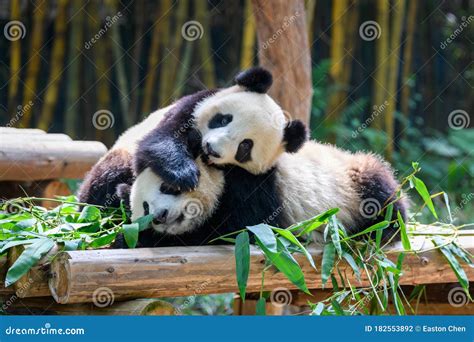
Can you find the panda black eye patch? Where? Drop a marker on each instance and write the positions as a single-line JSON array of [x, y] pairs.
[[169, 190], [244, 151], [220, 120]]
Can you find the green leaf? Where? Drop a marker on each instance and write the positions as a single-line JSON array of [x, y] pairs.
[[350, 260], [458, 270], [290, 237], [14, 243], [337, 307], [318, 309], [389, 212], [144, 222], [103, 240], [89, 214], [29, 258], [261, 307], [329, 255], [285, 263], [403, 233], [242, 261], [459, 252], [72, 245], [333, 229], [378, 226], [265, 235], [425, 195], [308, 226], [130, 233]]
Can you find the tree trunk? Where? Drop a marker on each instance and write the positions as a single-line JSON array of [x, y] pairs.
[[284, 50]]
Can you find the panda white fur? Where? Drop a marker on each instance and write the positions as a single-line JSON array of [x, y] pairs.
[[298, 187], [174, 131]]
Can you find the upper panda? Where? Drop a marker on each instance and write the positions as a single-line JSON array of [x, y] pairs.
[[299, 186], [174, 133]]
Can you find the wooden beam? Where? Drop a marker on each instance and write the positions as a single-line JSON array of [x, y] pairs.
[[47, 306], [3, 271], [184, 271], [36, 160]]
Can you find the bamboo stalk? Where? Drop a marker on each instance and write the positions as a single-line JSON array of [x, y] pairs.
[[336, 71], [153, 61], [205, 45], [15, 58], [138, 21], [381, 57], [249, 37], [56, 69], [184, 271], [408, 57], [183, 70], [166, 73], [310, 14], [395, 40], [34, 61], [71, 114]]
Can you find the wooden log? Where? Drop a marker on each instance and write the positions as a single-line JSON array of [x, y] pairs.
[[12, 130], [249, 307], [35, 282], [36, 160], [184, 271], [48, 306], [20, 137]]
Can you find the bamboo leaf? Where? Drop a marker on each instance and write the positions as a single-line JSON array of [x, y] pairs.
[[337, 308], [242, 261], [327, 263], [425, 195], [103, 240], [350, 260], [378, 226], [458, 270], [130, 233], [308, 226], [30, 257], [89, 214], [144, 222], [265, 235], [403, 233], [318, 309], [290, 237], [333, 229], [261, 307]]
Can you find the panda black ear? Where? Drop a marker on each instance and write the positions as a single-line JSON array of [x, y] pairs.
[[255, 79], [294, 136]]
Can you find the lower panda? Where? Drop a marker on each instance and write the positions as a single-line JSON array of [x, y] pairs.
[[299, 186]]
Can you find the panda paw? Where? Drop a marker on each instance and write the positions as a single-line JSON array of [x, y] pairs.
[[184, 179]]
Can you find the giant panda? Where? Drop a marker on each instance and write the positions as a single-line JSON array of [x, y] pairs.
[[299, 186], [168, 131]]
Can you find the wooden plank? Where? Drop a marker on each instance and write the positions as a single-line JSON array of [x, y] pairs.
[[20, 137], [12, 130], [47, 306], [184, 271], [36, 160]]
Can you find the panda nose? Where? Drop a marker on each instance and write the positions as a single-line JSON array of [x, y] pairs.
[[160, 217], [211, 151]]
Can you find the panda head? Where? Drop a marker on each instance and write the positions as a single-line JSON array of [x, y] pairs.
[[243, 126], [175, 212]]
